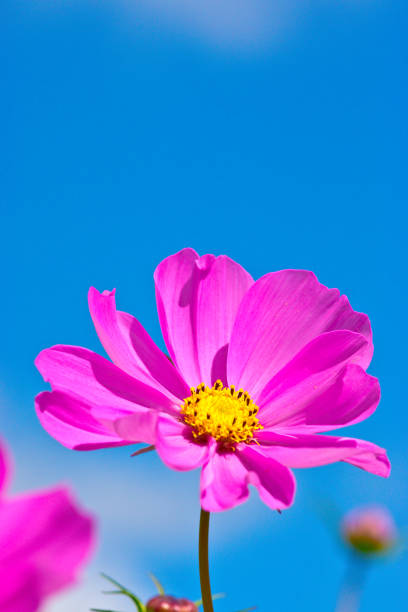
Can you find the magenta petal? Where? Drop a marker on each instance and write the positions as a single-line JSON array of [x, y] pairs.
[[20, 592], [44, 541], [70, 421], [198, 298], [174, 293], [275, 483], [221, 285], [321, 386], [301, 451], [278, 316], [371, 458], [352, 397], [176, 446], [139, 427], [87, 375], [223, 482], [131, 348], [4, 468], [90, 394]]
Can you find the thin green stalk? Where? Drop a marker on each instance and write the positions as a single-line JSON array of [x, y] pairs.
[[203, 562]]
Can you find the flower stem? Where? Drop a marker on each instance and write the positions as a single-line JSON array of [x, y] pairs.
[[350, 594], [203, 562]]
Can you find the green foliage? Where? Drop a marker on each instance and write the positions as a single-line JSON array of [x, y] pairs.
[[157, 583], [121, 590]]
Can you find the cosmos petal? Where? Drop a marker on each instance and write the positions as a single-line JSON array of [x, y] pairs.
[[73, 423], [275, 482], [4, 468], [226, 476], [197, 300], [175, 294], [223, 482], [322, 387], [138, 427], [89, 395], [176, 446], [352, 396], [301, 451], [372, 458], [280, 314], [85, 374], [131, 348], [222, 285], [20, 592], [44, 541]]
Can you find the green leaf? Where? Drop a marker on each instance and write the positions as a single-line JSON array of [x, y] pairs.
[[216, 596], [124, 591], [157, 583], [113, 581], [100, 610]]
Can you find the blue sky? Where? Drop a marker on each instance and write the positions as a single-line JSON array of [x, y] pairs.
[[273, 132]]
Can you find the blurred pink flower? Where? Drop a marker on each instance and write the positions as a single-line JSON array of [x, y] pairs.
[[44, 541], [257, 370], [369, 530]]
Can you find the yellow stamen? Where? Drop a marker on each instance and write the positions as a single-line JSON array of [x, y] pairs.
[[221, 412]]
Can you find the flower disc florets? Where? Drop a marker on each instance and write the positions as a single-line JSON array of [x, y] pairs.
[[221, 412]]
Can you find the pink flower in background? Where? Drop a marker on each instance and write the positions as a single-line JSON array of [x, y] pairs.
[[44, 541], [257, 371], [369, 530]]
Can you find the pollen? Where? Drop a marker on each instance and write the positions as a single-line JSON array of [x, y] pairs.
[[226, 414]]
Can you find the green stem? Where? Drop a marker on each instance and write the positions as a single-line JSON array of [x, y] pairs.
[[203, 562], [350, 594]]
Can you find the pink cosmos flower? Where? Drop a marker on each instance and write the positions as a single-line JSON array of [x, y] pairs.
[[369, 530], [44, 541], [257, 371]]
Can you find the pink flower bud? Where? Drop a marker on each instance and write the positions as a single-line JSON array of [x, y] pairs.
[[369, 530], [167, 603]]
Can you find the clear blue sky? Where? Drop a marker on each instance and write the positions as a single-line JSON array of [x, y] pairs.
[[278, 139]]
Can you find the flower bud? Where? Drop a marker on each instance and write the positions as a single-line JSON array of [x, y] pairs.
[[369, 531], [167, 603]]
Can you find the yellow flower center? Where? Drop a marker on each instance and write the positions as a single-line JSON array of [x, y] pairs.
[[221, 412]]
